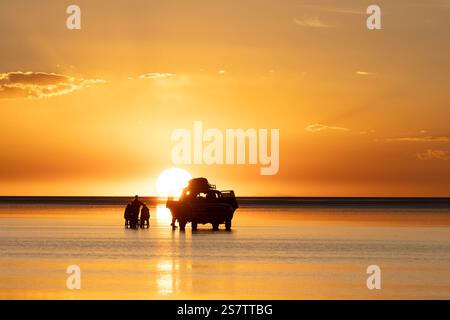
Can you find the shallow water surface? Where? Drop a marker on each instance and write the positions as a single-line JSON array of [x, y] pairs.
[[272, 252]]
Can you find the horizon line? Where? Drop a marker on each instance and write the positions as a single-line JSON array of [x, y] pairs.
[[303, 197]]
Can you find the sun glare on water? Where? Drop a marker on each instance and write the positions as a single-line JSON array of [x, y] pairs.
[[171, 182]]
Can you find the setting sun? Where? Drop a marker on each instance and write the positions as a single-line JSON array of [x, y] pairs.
[[172, 181]]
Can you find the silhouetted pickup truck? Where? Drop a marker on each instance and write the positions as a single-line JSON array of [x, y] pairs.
[[200, 202]]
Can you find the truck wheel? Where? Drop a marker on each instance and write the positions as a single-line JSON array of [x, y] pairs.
[[194, 226], [215, 226], [182, 225], [228, 225]]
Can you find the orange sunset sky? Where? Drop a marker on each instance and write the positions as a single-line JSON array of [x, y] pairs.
[[91, 111]]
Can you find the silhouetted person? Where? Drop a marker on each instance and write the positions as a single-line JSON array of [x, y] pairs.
[[170, 198], [136, 203], [135, 208], [128, 215], [173, 224], [145, 216]]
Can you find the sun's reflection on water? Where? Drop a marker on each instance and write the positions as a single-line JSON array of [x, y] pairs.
[[163, 215], [175, 266], [166, 279]]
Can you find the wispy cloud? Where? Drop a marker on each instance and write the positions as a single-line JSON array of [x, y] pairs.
[[363, 73], [422, 139], [431, 154], [316, 127], [311, 22], [40, 84], [340, 9], [344, 10], [156, 75]]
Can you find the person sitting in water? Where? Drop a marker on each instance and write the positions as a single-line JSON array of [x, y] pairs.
[[145, 216]]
